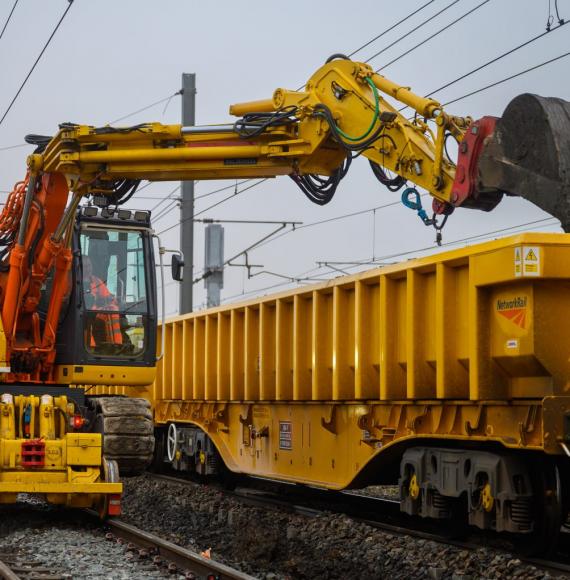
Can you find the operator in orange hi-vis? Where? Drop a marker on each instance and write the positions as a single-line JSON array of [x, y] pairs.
[[104, 328]]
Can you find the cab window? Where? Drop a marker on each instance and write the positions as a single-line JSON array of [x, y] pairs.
[[113, 291]]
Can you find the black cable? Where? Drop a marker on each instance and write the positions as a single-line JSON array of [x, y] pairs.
[[321, 110], [507, 78], [492, 61], [37, 60], [262, 121], [318, 189], [446, 27], [125, 190], [391, 183], [447, 136], [8, 19], [109, 130], [412, 30], [40, 141], [391, 27]]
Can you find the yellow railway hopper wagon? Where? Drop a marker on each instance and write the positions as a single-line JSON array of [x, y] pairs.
[[448, 375]]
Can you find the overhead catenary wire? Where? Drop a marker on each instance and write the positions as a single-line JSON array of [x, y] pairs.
[[432, 36], [173, 204], [164, 199], [238, 192], [9, 147], [207, 194], [390, 28], [510, 77], [8, 19], [494, 60], [70, 4], [339, 217], [293, 279], [536, 223], [146, 107], [420, 25], [490, 62], [225, 188]]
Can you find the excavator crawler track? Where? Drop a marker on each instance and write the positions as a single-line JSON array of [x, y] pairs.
[[127, 428]]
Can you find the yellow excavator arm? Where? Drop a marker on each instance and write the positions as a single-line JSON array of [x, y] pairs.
[[345, 110]]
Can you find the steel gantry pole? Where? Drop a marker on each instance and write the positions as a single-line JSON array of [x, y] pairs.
[[187, 202]]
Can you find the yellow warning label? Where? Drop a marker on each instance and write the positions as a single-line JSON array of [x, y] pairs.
[[531, 256], [518, 262], [531, 261]]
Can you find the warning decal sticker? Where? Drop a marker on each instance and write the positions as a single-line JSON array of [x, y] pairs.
[[531, 260], [527, 261], [518, 262]]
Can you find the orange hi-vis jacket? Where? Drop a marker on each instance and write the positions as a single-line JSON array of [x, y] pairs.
[[104, 300]]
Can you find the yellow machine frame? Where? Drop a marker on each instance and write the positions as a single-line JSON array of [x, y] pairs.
[[66, 467]]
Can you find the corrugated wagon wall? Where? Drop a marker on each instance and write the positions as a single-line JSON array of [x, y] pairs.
[[426, 329]]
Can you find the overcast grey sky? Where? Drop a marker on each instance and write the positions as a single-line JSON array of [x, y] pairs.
[[110, 58]]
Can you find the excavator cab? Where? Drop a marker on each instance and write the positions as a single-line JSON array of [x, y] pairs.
[[110, 320]]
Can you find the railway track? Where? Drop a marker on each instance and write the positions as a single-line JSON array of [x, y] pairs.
[[135, 553], [14, 567], [383, 514], [190, 562]]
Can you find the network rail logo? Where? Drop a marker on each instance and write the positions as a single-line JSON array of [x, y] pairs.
[[514, 310]]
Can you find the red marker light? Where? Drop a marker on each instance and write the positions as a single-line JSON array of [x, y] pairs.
[[77, 421]]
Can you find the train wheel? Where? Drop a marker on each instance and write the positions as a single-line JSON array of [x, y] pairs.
[[171, 442], [111, 475]]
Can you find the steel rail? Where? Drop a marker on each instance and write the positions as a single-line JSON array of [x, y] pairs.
[[6, 572], [183, 558]]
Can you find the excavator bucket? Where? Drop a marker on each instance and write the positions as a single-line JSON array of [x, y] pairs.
[[528, 154]]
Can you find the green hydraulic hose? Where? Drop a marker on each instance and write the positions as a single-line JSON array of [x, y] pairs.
[[375, 118]]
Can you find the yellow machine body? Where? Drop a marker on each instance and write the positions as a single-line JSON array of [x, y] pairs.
[[316, 384], [38, 456]]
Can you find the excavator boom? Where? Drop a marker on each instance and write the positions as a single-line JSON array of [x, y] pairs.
[[345, 109]]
